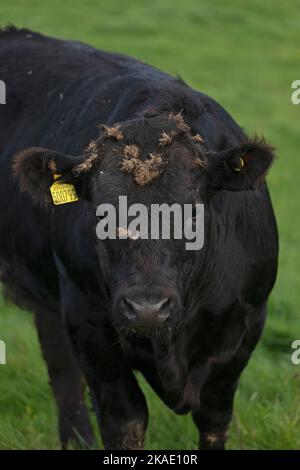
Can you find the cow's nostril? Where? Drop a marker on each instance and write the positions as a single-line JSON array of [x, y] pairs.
[[163, 315], [129, 311], [146, 313]]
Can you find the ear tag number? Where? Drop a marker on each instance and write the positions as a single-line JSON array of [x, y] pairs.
[[241, 166], [62, 193]]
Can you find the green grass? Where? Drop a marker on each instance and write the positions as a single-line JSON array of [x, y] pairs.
[[244, 54]]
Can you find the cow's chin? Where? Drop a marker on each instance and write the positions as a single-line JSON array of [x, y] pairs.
[[148, 332]]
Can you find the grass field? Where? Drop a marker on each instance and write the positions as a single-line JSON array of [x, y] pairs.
[[244, 54]]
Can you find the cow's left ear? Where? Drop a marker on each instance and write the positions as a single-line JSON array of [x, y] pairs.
[[37, 169], [240, 168]]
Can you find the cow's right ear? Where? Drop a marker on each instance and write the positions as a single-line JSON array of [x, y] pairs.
[[37, 168], [240, 168]]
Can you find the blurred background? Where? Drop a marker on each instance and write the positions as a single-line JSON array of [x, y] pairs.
[[245, 55]]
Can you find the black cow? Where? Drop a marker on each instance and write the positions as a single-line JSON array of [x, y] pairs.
[[187, 320]]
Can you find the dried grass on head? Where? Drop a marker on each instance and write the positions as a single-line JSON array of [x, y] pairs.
[[143, 171]]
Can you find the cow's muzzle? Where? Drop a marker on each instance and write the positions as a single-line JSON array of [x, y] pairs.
[[141, 312]]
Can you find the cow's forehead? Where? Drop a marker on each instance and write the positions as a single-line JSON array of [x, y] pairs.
[[154, 183], [143, 149]]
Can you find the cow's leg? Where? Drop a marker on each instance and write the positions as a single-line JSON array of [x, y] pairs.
[[122, 413], [216, 404], [119, 402], [65, 379], [215, 411]]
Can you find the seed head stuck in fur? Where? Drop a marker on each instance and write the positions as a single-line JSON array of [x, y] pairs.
[[131, 151], [123, 232], [88, 162], [86, 165], [179, 121], [92, 147], [113, 131], [144, 171], [165, 139], [201, 163], [197, 138]]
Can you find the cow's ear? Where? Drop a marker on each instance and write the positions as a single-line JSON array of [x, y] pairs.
[[37, 169], [240, 168]]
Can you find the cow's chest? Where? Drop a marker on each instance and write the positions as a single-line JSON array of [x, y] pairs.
[[177, 369]]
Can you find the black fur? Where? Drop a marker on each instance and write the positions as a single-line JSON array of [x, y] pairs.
[[58, 93]]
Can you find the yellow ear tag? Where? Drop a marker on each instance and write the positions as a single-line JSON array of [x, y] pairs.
[[242, 164], [62, 193]]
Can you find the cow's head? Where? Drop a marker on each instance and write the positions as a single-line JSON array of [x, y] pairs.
[[153, 159]]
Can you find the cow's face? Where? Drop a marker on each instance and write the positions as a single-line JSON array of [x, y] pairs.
[[150, 161], [150, 164]]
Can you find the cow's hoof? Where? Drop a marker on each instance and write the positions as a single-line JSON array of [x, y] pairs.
[[134, 438], [213, 440]]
